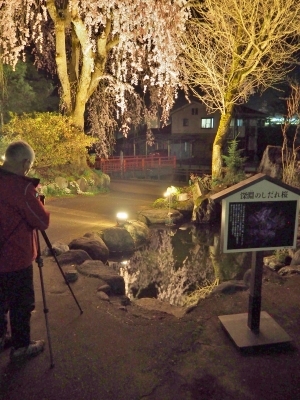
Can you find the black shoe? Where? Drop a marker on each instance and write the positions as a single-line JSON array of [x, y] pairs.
[[35, 348], [5, 342]]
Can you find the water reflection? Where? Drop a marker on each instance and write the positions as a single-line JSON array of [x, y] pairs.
[[176, 261]]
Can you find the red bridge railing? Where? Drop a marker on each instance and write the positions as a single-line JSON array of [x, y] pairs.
[[141, 163]]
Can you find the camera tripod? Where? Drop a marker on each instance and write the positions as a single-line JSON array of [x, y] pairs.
[[40, 263]]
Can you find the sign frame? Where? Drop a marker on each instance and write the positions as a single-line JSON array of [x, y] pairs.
[[258, 213]]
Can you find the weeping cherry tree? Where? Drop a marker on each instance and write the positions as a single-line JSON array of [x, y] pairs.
[[101, 51]]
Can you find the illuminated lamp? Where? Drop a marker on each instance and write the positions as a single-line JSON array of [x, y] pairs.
[[169, 193], [121, 218]]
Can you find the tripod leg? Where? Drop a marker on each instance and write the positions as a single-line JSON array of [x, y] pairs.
[[59, 266], [39, 261]]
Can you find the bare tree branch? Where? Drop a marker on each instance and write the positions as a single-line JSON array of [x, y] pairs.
[[233, 48]]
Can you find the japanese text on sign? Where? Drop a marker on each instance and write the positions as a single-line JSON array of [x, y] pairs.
[[266, 224], [237, 222], [274, 194]]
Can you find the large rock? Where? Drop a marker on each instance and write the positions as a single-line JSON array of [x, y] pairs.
[[138, 231], [230, 287], [96, 249], [83, 184], [94, 236], [185, 208], [158, 305], [118, 240], [272, 262], [73, 257], [126, 238], [289, 270], [159, 216], [96, 269], [296, 258], [205, 236], [271, 162], [207, 211], [101, 181], [58, 248], [61, 182]]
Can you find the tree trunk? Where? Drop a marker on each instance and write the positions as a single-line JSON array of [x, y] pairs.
[[61, 55], [218, 144]]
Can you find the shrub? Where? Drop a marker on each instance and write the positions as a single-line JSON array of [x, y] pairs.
[[204, 181], [281, 254], [51, 135], [53, 190], [234, 164], [161, 203]]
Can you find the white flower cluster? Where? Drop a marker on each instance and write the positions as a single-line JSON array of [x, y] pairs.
[[138, 38], [21, 22]]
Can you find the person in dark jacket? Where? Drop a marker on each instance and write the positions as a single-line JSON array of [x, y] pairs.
[[21, 214]]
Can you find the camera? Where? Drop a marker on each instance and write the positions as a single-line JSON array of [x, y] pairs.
[[42, 198]]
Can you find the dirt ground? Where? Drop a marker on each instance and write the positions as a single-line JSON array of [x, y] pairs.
[[128, 353]]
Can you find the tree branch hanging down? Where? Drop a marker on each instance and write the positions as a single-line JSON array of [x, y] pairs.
[[128, 42]]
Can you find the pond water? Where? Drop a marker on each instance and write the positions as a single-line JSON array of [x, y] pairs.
[[179, 261]]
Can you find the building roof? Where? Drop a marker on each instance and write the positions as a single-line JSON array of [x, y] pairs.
[[240, 110], [188, 104]]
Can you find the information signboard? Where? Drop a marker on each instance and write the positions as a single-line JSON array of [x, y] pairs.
[[260, 217], [259, 213], [261, 225]]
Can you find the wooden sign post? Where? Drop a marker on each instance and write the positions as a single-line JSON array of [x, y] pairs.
[[255, 295]]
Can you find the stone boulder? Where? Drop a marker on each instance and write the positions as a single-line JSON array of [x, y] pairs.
[[186, 208], [138, 231], [296, 258], [230, 287], [104, 288], [273, 263], [206, 235], [58, 248], [271, 162], [159, 216], [61, 182], [207, 211], [152, 304], [96, 249], [73, 257], [289, 270], [71, 275], [102, 180], [118, 240], [126, 238], [103, 296], [94, 236], [96, 269], [82, 184]]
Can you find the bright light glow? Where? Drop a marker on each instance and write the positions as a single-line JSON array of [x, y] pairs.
[[122, 216], [169, 193], [183, 228], [171, 190]]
